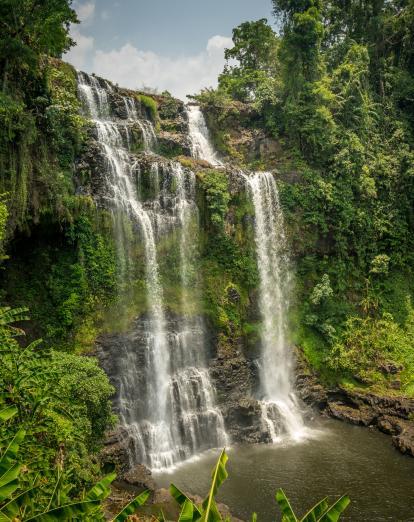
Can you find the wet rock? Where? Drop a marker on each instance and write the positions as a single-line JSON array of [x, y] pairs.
[[162, 496], [404, 442], [138, 479], [234, 378], [233, 294], [307, 384], [391, 415], [115, 454], [173, 144], [362, 416], [388, 425], [391, 368]]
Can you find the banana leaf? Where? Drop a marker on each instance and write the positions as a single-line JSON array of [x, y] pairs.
[[336, 510], [314, 514], [287, 512], [132, 506], [101, 489], [219, 475], [187, 511]]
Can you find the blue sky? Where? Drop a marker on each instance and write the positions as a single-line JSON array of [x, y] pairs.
[[164, 44]]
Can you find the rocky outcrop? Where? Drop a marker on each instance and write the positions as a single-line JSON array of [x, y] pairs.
[[137, 479], [116, 451], [234, 378], [391, 415]]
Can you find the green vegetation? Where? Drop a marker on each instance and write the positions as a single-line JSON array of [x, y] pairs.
[[62, 403], [24, 496], [150, 105]]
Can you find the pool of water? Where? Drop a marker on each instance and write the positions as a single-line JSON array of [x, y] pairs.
[[339, 459]]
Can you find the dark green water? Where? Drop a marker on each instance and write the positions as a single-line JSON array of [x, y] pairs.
[[343, 459]]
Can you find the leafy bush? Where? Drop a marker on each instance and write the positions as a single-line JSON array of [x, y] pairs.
[[62, 401], [26, 499], [369, 344]]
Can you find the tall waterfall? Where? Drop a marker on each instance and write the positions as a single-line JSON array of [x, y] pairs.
[[280, 411], [165, 398]]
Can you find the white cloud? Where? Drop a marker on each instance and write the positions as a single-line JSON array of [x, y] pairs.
[[85, 10], [218, 43], [133, 68], [80, 54]]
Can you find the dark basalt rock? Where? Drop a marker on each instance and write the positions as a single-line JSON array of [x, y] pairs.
[[307, 384], [405, 441], [234, 378], [362, 415], [138, 479], [116, 451], [391, 368], [173, 144]]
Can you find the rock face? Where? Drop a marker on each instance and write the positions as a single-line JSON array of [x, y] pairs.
[[391, 415]]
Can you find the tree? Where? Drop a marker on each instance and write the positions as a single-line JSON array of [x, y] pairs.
[[253, 59], [29, 30]]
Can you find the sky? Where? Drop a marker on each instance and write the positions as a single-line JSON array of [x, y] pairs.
[[174, 45]]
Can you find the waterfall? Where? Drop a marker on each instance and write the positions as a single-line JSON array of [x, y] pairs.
[[201, 146], [280, 412], [165, 399]]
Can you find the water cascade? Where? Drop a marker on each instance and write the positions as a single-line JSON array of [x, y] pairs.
[[201, 146], [165, 399], [279, 407], [280, 411]]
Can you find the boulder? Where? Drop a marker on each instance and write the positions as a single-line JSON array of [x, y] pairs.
[[137, 479], [362, 416]]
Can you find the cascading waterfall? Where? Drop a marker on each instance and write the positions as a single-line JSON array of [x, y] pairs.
[[280, 410], [165, 398], [201, 146], [279, 407]]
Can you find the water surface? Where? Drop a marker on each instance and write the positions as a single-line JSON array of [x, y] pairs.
[[343, 459]]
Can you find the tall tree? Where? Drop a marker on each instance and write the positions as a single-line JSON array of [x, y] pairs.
[[30, 29]]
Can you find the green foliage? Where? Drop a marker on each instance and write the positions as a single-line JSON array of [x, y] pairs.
[[321, 512], [228, 264], [62, 402], [30, 30], [215, 185], [68, 280], [150, 105], [254, 50], [65, 126], [370, 344], [338, 97], [18, 501]]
